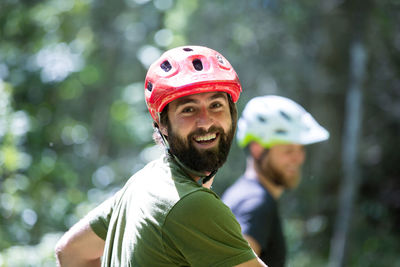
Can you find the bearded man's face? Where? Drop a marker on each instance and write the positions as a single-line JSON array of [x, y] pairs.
[[200, 130], [282, 164]]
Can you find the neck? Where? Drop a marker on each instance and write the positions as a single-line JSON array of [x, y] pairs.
[[207, 184], [252, 171]]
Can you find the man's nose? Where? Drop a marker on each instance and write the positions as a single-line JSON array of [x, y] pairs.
[[204, 119], [299, 156]]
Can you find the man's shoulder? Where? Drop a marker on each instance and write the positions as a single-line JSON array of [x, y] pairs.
[[244, 186], [201, 195], [201, 207], [157, 168], [247, 194], [160, 182], [200, 200]]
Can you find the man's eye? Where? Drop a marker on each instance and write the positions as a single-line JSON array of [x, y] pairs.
[[187, 110], [216, 105]]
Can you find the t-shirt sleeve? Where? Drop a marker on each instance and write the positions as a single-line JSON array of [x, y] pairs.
[[99, 217], [206, 232]]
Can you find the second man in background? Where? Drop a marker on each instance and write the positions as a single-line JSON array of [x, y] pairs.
[[273, 130]]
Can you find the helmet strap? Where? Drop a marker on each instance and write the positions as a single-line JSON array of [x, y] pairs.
[[163, 139]]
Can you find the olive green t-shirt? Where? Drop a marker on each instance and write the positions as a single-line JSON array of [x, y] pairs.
[[161, 217]]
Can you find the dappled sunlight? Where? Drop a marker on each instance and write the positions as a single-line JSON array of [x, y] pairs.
[[103, 176], [57, 62], [76, 134], [163, 37], [148, 54], [163, 5], [74, 125], [20, 123]]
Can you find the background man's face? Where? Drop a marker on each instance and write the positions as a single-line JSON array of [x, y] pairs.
[[200, 130], [283, 164]]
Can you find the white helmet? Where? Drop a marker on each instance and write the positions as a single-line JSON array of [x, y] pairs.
[[271, 120]]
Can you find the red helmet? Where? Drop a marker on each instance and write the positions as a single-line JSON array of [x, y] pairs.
[[185, 71]]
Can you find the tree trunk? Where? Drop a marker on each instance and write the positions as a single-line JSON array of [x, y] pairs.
[[351, 134], [348, 190]]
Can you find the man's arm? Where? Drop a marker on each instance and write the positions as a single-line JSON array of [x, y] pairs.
[[257, 249], [79, 247], [253, 244], [253, 263]]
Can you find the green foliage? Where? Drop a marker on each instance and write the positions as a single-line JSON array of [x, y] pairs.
[[31, 256], [74, 125]]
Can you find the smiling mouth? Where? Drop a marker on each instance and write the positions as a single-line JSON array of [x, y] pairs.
[[207, 138]]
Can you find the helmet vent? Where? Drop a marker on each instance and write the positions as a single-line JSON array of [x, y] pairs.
[[281, 131], [187, 49], [285, 115], [261, 118], [149, 86], [166, 66], [197, 64], [220, 60]]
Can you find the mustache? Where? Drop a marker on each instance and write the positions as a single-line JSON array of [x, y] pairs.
[[201, 131]]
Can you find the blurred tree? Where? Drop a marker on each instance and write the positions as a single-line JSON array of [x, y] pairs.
[[351, 169], [74, 125], [72, 72]]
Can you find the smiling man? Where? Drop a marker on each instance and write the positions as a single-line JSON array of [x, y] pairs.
[[273, 130], [200, 130], [166, 214]]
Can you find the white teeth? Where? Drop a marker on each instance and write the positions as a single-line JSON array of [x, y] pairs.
[[206, 137]]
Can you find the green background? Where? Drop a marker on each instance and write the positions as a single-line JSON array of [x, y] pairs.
[[74, 125]]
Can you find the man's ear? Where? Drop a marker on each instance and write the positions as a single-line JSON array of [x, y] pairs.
[[256, 150], [163, 129]]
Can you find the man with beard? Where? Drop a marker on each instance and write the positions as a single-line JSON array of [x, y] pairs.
[[166, 214], [273, 130]]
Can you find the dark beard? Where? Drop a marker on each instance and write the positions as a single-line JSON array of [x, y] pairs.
[[264, 166], [206, 160], [269, 171]]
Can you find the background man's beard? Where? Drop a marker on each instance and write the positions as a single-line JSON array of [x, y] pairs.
[[204, 160], [275, 176]]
